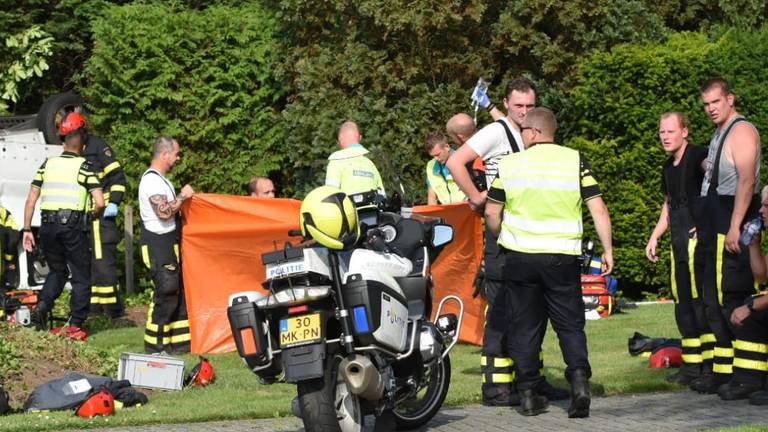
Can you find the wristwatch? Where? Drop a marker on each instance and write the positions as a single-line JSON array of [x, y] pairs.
[[750, 304], [26, 230]]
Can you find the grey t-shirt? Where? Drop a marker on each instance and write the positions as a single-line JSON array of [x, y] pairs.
[[727, 176]]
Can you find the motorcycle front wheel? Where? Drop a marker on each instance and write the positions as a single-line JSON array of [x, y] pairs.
[[419, 409], [327, 405]]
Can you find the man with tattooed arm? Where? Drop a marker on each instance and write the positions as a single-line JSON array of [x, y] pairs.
[[167, 324]]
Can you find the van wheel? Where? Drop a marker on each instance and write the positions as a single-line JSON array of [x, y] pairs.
[[54, 110]]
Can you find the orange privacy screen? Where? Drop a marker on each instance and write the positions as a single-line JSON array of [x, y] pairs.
[[224, 236]]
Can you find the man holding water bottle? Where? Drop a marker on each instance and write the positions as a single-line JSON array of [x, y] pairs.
[[729, 194], [491, 143]]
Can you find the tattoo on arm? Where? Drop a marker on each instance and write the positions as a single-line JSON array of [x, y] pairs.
[[163, 208]]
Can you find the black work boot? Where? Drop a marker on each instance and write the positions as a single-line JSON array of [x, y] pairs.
[[40, 316], [707, 384], [502, 399], [736, 391], [681, 378], [531, 403], [580, 397], [759, 398], [551, 392]]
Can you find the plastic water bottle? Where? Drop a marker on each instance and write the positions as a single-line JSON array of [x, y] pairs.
[[750, 230], [480, 87]]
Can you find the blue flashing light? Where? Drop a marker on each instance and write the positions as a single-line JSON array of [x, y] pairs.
[[361, 319]]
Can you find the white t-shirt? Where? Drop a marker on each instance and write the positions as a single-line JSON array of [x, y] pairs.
[[491, 143], [153, 183]]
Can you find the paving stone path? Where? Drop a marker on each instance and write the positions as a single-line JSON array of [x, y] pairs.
[[682, 411]]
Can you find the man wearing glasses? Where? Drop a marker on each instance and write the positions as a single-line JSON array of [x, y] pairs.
[[540, 192]]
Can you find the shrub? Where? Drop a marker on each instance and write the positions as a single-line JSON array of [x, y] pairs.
[[203, 76], [614, 111]]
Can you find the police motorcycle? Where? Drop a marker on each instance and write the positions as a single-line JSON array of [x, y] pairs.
[[347, 316]]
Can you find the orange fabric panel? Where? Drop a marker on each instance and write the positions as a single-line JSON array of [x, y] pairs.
[[222, 241], [454, 270], [224, 236]]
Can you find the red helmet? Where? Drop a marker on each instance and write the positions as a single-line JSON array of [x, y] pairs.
[[666, 357], [71, 123], [100, 403], [202, 374]]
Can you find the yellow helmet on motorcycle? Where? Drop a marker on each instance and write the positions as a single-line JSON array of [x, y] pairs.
[[329, 216]]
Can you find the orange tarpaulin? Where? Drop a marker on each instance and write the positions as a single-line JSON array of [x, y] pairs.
[[224, 236]]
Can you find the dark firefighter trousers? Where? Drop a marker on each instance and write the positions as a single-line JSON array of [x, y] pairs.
[[697, 340], [66, 250], [105, 294], [728, 282], [167, 324], [539, 287], [496, 364]]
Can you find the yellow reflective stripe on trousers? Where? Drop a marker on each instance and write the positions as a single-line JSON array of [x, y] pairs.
[[691, 342], [722, 368], [673, 274], [145, 255], [100, 289], [708, 354], [719, 267], [498, 362], [103, 300], [750, 364], [168, 339], [708, 337], [750, 346], [96, 239], [692, 358], [502, 378], [691, 270], [167, 327], [723, 352]]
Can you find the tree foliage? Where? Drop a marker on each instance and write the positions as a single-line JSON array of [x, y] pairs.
[[202, 76], [615, 110]]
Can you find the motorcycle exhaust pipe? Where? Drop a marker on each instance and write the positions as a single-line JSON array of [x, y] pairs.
[[362, 377]]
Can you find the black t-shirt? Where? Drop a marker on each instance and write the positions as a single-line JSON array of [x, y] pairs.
[[673, 174]]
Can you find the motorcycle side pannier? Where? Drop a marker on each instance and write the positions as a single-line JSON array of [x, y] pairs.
[[379, 314], [246, 321]]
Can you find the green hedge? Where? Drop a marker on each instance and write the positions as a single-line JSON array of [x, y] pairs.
[[205, 77], [614, 111]]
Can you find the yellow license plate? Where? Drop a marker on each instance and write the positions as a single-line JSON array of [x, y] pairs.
[[299, 330]]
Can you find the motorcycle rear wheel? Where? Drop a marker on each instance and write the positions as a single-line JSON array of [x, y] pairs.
[[327, 405], [417, 411]]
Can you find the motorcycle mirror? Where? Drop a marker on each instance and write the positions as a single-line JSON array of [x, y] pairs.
[[442, 235], [394, 203]]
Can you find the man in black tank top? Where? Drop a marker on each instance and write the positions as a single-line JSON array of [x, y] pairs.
[[681, 182], [729, 199]]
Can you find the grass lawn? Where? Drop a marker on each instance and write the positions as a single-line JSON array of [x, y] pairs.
[[237, 395]]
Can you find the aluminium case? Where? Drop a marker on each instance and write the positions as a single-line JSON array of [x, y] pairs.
[[151, 371]]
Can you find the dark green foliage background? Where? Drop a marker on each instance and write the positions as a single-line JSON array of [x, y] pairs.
[[260, 87], [203, 77], [615, 108]]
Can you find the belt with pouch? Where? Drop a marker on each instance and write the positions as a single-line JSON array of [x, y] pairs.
[[62, 216]]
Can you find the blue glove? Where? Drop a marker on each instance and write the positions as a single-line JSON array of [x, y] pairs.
[[111, 210], [480, 98]]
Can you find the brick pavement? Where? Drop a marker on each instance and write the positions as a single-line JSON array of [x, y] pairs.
[[683, 411]]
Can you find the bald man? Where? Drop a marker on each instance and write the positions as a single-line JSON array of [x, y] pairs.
[[348, 168], [261, 187]]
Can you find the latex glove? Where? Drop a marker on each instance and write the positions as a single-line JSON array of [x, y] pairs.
[[481, 98], [111, 210]]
